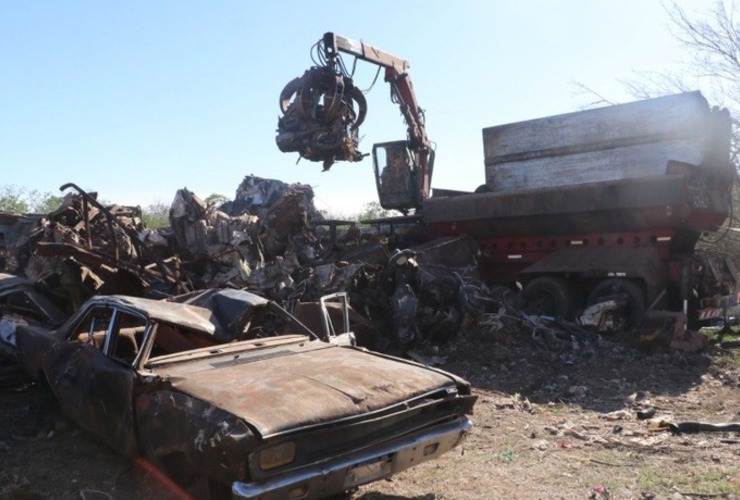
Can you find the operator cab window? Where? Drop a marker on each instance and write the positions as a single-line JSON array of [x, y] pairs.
[[397, 168]]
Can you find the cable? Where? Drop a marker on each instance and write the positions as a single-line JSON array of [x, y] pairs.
[[377, 74], [316, 53]]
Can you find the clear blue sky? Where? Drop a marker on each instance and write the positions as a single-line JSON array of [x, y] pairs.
[[137, 99]]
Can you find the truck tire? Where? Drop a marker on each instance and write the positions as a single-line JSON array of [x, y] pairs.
[[628, 316], [550, 296]]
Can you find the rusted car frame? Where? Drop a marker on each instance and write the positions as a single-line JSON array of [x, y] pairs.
[[229, 412], [21, 303]]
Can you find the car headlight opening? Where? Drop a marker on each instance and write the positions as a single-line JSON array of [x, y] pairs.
[[278, 455]]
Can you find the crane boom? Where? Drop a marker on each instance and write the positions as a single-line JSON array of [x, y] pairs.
[[320, 122], [402, 92]]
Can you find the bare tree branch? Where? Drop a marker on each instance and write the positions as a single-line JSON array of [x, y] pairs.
[[586, 90]]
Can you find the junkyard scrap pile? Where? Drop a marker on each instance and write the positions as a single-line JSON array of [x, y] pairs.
[[270, 240], [167, 358]]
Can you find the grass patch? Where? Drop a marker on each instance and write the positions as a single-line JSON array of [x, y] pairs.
[[506, 456], [713, 333], [711, 481]]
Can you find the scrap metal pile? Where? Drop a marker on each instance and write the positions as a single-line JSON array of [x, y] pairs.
[[270, 239]]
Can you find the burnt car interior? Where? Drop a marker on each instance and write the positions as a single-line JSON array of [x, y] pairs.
[[27, 306], [19, 303], [242, 315], [120, 335]]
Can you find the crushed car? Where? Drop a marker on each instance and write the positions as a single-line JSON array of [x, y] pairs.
[[232, 396], [21, 303]]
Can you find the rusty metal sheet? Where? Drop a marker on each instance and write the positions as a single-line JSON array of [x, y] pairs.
[[650, 204], [631, 140], [196, 318], [300, 390]]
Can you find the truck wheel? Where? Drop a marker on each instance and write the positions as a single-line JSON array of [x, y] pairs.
[[630, 313], [550, 296]]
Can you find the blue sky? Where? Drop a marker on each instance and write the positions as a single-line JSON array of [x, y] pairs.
[[137, 99]]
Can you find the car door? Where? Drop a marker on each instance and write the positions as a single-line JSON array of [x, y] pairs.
[[93, 377]]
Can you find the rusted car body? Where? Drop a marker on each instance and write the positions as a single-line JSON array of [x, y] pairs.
[[21, 303], [230, 412]]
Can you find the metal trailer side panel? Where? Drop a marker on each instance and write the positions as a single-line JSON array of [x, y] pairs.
[[630, 205], [625, 141]]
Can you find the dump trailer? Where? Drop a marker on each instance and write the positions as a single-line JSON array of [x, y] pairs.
[[603, 203]]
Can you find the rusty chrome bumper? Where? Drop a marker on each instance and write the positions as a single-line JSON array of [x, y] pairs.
[[338, 475]]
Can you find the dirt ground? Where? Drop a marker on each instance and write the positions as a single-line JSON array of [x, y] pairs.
[[546, 427]]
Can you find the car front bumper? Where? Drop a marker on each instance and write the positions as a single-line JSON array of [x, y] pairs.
[[338, 475]]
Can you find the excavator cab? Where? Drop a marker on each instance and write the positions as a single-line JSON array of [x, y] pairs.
[[398, 175]]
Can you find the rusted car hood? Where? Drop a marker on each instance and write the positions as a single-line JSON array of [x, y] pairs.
[[301, 385]]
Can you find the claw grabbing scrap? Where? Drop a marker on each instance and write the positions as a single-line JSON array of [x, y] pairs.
[[323, 110]]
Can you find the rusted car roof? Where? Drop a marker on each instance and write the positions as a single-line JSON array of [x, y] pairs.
[[194, 317], [221, 313]]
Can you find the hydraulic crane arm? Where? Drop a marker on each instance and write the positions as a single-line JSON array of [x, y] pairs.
[[402, 93], [333, 44], [402, 89], [323, 110]]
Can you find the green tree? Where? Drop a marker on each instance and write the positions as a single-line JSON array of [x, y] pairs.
[[216, 199], [12, 200], [156, 215], [17, 199], [46, 204], [373, 210]]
